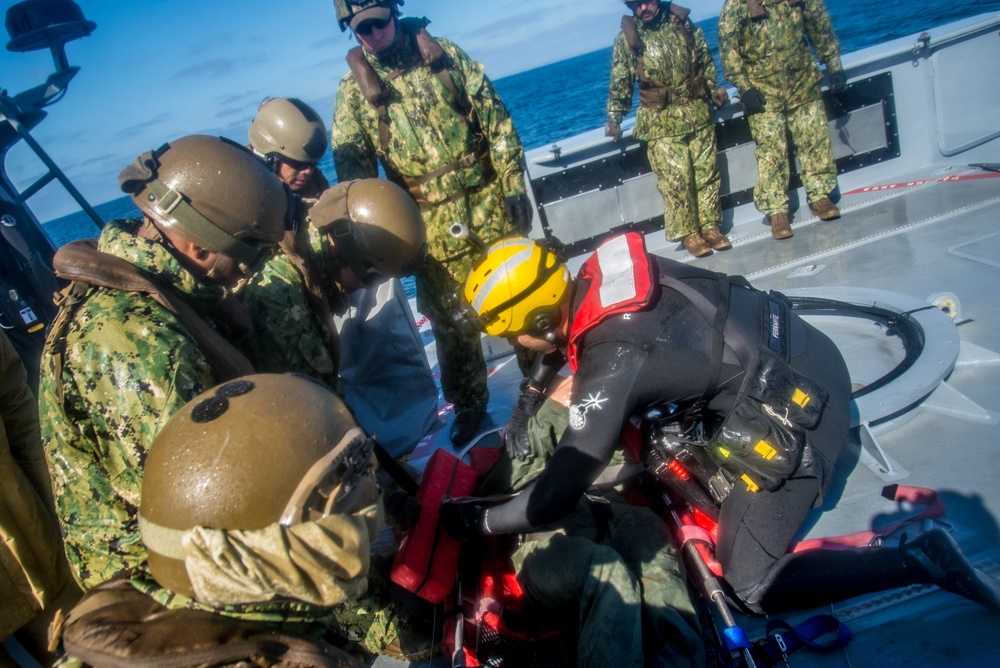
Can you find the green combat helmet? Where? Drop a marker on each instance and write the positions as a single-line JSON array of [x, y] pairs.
[[348, 10], [259, 450], [375, 226], [214, 193], [288, 128]]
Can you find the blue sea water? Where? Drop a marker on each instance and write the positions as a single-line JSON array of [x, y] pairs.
[[568, 97]]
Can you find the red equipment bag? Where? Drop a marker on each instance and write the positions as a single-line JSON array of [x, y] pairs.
[[427, 561]]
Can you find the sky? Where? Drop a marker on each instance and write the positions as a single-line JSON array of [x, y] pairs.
[[156, 70]]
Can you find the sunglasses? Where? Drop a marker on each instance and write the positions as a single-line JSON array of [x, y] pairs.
[[367, 27], [297, 165]]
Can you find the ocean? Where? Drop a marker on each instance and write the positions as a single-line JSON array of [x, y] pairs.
[[568, 97]]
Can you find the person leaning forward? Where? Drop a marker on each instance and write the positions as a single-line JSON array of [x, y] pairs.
[[666, 345], [660, 48], [143, 327], [766, 56], [430, 115]]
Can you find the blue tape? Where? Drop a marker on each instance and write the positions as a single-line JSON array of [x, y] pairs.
[[736, 638]]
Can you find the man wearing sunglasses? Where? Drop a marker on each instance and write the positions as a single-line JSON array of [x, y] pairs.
[[143, 328], [660, 48], [429, 114]]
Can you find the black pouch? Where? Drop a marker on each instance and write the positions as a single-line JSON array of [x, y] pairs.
[[772, 382], [757, 445]]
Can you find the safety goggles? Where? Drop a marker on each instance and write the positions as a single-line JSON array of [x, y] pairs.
[[366, 27]]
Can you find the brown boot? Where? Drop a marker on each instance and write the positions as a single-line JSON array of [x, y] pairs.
[[696, 245], [716, 239], [825, 209], [780, 227]]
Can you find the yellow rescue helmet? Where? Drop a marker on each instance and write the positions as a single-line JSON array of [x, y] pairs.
[[518, 288]]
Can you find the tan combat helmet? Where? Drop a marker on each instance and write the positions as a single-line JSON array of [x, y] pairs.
[[375, 227], [214, 193], [249, 453], [349, 10], [288, 128]]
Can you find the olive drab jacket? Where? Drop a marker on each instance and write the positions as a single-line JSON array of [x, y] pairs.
[[771, 53], [112, 374], [458, 155], [676, 58], [30, 547]]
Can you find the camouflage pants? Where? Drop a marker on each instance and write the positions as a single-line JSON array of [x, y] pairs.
[[687, 175], [460, 354], [807, 128], [615, 569]]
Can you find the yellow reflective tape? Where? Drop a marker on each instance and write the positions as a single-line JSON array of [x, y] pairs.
[[801, 398], [751, 485]]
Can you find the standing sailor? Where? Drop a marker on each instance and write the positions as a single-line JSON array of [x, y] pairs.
[[430, 115], [669, 57], [766, 56]]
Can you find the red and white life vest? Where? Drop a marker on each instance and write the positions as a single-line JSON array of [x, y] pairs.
[[619, 278]]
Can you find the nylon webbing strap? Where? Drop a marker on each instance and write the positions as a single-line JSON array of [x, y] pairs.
[[744, 351], [783, 638], [172, 203]]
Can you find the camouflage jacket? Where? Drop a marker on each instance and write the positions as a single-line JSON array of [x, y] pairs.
[[772, 55], [667, 59], [429, 132], [127, 365], [289, 332]]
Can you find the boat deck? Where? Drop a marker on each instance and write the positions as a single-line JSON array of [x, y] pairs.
[[933, 238]]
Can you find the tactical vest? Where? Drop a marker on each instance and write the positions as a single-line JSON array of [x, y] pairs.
[[427, 52], [81, 263], [117, 626], [654, 94]]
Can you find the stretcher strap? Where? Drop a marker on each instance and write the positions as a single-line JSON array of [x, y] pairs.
[[919, 495], [783, 638]]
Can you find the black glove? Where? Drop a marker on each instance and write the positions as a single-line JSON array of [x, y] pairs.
[[613, 130], [514, 434], [752, 101], [462, 518], [517, 208], [838, 81]]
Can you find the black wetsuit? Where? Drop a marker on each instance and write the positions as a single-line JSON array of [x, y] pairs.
[[661, 354]]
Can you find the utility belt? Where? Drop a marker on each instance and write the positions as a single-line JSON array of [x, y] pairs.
[[658, 96], [414, 184], [761, 440]]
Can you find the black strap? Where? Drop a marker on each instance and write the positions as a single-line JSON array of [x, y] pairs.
[[395, 471]]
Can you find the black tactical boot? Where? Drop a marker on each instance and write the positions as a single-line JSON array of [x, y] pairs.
[[937, 559]]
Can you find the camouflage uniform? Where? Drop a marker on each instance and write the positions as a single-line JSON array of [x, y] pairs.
[[288, 334], [127, 365], [611, 559], [771, 54], [681, 137], [428, 132]]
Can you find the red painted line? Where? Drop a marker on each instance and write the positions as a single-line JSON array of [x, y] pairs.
[[920, 182]]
